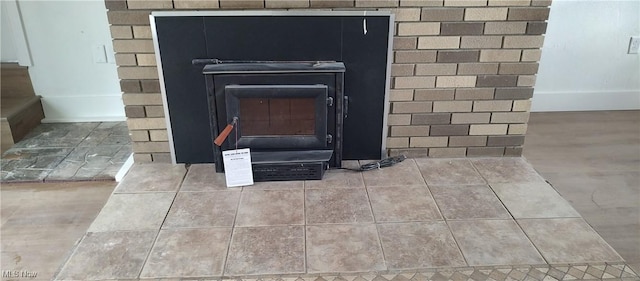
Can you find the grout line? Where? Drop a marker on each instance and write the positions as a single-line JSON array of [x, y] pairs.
[[186, 173], [184, 228], [72, 251], [268, 225], [155, 240], [304, 224], [212, 190], [354, 223], [62, 160], [444, 219], [375, 224], [455, 240], [513, 218], [435, 202], [149, 192], [175, 195], [531, 242], [233, 230]]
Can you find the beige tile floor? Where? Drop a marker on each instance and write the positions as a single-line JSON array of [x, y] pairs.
[[410, 217]]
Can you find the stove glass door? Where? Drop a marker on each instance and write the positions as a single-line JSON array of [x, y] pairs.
[[278, 116]]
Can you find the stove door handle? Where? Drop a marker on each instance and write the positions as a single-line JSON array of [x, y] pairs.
[[345, 110], [225, 133]]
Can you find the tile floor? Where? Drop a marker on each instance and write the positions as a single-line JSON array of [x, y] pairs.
[[69, 152], [184, 223]]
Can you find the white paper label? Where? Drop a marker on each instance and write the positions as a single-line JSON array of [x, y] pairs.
[[237, 167]]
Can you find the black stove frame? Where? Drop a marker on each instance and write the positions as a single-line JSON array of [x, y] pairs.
[[323, 81]]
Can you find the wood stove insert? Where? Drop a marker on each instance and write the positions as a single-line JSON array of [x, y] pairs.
[[290, 114]]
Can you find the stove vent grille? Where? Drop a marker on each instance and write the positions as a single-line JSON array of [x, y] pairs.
[[288, 171]]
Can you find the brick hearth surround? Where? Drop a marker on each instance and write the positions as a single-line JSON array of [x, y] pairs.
[[462, 75]]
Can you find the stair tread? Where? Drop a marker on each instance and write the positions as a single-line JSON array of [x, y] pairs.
[[16, 81], [12, 65], [10, 106]]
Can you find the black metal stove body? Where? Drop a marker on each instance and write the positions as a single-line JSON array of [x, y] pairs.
[[290, 114]]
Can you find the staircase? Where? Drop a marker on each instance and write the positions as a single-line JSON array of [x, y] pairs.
[[20, 108]]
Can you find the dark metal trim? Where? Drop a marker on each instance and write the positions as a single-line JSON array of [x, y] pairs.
[[339, 120], [290, 13], [265, 157], [213, 122], [273, 67]]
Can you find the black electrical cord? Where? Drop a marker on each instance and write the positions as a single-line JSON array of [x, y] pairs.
[[388, 162]]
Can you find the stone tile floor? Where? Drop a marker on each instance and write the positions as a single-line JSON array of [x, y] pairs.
[[406, 222], [68, 151]]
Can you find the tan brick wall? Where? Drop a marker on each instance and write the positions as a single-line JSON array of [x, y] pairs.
[[463, 71]]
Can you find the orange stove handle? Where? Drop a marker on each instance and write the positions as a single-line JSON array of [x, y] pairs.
[[225, 133]]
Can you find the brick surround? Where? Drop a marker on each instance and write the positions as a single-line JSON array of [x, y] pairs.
[[462, 75]]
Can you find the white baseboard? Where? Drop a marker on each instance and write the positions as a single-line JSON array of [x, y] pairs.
[[585, 101], [89, 108], [124, 169]]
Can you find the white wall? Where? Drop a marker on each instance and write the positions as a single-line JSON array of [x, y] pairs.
[[585, 65], [62, 36], [14, 43], [7, 47]]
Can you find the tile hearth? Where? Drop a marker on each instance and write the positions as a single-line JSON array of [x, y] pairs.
[[420, 220]]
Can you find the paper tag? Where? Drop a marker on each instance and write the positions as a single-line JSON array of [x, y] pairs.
[[237, 167]]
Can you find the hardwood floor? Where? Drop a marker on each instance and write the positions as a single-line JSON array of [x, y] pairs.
[[593, 160], [42, 221]]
